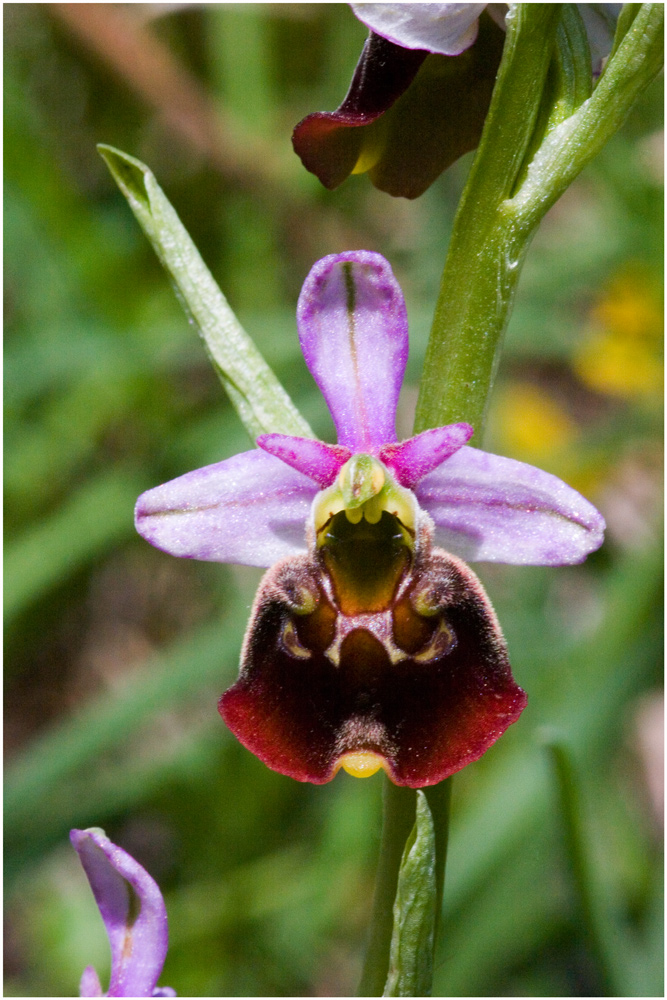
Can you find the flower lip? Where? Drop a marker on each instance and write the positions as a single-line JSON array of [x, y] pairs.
[[419, 693]]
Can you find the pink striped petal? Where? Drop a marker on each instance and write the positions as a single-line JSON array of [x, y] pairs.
[[249, 509], [353, 330], [495, 509], [413, 459], [319, 461]]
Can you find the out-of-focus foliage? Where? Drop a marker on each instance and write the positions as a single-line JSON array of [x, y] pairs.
[[116, 653]]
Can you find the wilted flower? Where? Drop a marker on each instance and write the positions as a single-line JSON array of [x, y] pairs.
[[134, 916], [369, 647], [420, 93], [417, 101]]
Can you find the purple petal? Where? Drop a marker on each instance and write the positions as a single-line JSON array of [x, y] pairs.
[[413, 459], [133, 912], [250, 509], [494, 509], [319, 461], [446, 28], [353, 330]]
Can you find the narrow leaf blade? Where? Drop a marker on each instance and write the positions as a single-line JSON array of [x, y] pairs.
[[260, 400]]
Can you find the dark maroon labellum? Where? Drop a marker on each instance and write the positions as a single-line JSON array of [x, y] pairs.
[[369, 652]]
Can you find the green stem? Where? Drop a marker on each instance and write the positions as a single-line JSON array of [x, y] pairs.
[[512, 185], [485, 253], [398, 819], [439, 799], [517, 174], [458, 363]]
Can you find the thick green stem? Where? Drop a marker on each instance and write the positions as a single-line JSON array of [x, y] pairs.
[[486, 250], [397, 821], [512, 184], [398, 818]]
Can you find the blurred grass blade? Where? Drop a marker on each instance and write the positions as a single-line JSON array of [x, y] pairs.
[[411, 955], [260, 400], [590, 906], [92, 520], [203, 660]]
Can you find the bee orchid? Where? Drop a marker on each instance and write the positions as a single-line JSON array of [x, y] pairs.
[[371, 644]]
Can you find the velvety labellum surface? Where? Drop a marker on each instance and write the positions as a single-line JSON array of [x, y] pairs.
[[372, 646]]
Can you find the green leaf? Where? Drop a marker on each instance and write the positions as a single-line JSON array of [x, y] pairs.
[[626, 17], [411, 955], [569, 80], [259, 399]]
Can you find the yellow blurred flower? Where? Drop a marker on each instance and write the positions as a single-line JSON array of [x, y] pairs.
[[622, 354], [533, 425]]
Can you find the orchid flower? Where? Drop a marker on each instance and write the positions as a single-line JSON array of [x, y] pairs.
[[420, 93], [370, 644], [134, 916]]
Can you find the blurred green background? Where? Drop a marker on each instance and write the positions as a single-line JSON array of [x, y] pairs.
[[117, 653]]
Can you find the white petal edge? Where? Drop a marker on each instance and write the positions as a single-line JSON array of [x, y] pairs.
[[445, 28]]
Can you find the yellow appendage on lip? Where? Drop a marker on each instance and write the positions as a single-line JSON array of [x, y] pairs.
[[361, 764]]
